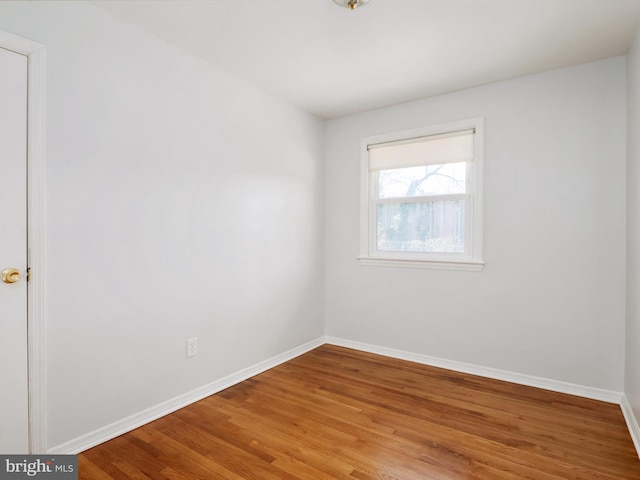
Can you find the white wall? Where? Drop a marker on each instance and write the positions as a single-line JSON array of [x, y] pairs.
[[550, 300], [632, 350], [181, 202]]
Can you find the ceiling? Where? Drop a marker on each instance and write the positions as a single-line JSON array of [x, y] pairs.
[[334, 62]]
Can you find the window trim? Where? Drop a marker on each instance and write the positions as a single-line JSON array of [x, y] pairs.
[[472, 259]]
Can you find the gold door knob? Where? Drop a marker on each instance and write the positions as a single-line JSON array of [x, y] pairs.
[[10, 275]]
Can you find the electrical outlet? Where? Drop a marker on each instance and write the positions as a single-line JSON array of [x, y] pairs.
[[192, 347]]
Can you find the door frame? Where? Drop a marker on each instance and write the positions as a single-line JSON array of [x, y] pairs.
[[35, 233]]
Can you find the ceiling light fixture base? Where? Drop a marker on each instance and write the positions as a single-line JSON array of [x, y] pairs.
[[351, 4]]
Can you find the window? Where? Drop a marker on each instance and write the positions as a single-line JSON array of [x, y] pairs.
[[421, 197]]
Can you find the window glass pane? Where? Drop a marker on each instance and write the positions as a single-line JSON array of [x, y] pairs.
[[432, 227], [449, 178]]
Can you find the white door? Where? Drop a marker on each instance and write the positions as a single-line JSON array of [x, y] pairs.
[[14, 399]]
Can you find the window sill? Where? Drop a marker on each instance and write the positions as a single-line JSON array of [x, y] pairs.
[[461, 265]]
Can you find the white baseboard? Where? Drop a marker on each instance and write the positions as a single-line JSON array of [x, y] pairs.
[[519, 378], [632, 423], [136, 420]]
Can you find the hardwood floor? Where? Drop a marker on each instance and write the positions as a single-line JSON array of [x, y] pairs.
[[339, 413]]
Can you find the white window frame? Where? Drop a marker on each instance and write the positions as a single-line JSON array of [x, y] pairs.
[[472, 258]]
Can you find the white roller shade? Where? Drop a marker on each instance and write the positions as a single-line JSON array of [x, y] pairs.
[[432, 150]]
